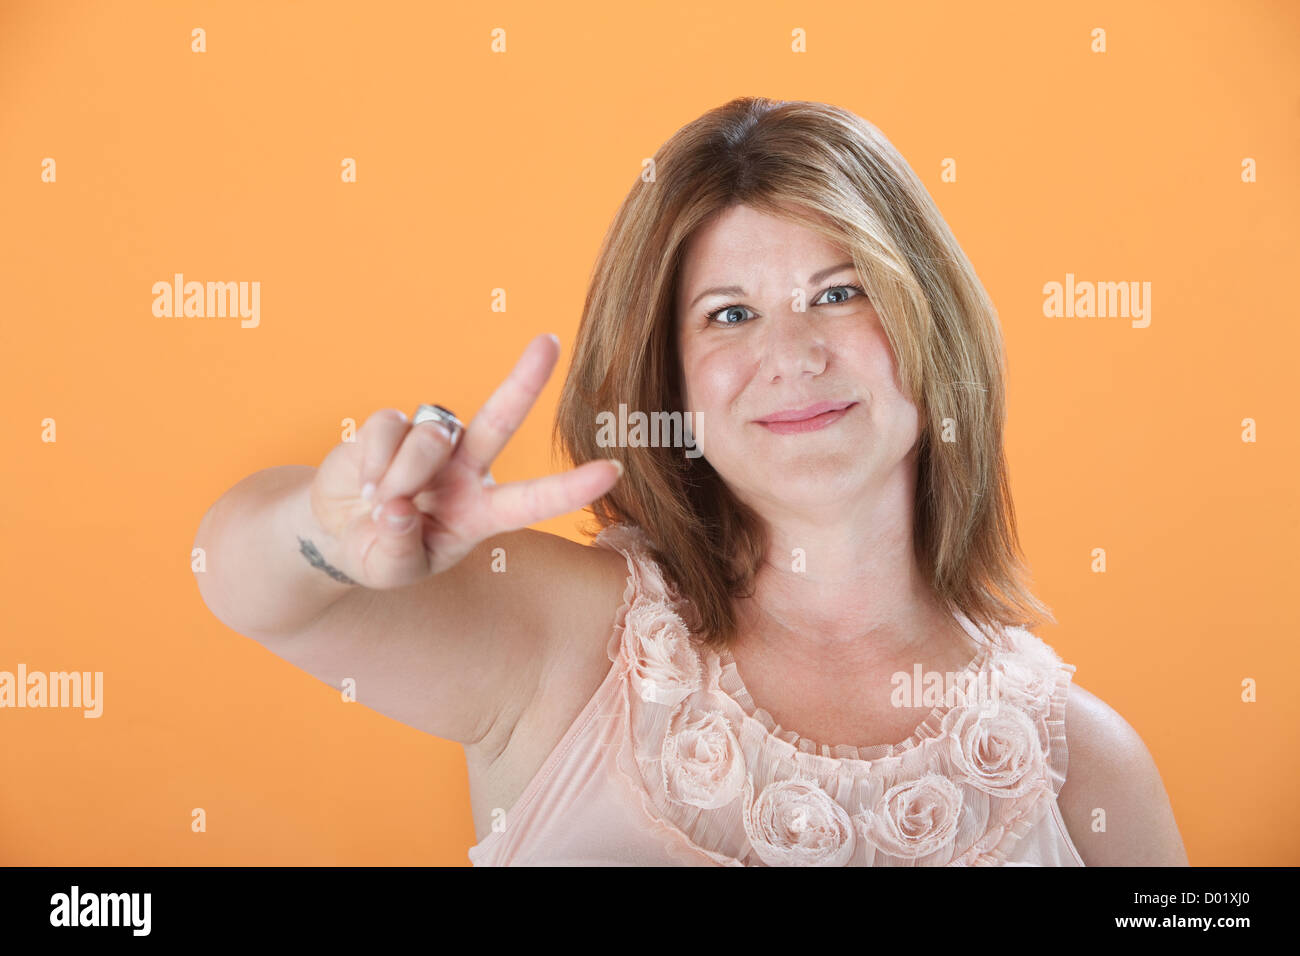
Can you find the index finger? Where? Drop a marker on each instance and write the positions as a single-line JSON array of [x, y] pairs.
[[507, 407]]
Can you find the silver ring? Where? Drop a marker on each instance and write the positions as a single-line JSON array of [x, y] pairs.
[[443, 416]]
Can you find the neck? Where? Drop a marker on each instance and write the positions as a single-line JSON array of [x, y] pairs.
[[844, 587]]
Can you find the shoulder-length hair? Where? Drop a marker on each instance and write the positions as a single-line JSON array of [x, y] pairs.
[[833, 172]]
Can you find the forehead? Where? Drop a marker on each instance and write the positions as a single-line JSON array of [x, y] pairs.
[[742, 243]]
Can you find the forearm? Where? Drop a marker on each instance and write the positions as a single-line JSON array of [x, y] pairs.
[[269, 568]]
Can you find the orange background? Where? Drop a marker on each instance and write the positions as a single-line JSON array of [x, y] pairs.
[[479, 170]]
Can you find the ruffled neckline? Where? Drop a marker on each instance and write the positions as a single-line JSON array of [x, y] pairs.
[[725, 679]]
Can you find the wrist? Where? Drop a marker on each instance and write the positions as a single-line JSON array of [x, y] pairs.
[[315, 549]]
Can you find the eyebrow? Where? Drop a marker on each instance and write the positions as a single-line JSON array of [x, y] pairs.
[[738, 290]]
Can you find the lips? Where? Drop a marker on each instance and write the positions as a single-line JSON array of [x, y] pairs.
[[813, 418], [803, 414]]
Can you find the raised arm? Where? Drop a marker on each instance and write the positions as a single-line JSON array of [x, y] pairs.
[[399, 564]]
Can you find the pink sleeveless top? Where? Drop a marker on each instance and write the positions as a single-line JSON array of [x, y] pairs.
[[671, 763]]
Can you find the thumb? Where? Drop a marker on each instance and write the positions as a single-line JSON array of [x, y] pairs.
[[400, 539], [395, 516]]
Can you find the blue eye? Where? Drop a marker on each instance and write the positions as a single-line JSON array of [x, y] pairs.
[[713, 316], [726, 308], [833, 288]]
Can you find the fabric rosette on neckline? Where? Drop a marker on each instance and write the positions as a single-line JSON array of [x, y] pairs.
[[1000, 753], [667, 668], [914, 818], [702, 762], [1016, 680], [797, 823]]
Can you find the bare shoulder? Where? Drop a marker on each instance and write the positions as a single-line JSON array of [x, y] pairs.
[[1113, 801], [581, 583], [577, 590]]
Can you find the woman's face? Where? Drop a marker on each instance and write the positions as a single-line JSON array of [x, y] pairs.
[[761, 356]]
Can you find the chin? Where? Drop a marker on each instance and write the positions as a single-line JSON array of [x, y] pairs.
[[806, 488], [833, 465]]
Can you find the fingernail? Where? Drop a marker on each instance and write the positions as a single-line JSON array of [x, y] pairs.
[[401, 522], [619, 465], [553, 337], [368, 491], [374, 515]]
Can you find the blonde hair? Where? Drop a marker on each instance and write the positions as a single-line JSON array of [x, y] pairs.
[[833, 172]]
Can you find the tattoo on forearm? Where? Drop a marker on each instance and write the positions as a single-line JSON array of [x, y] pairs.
[[316, 560]]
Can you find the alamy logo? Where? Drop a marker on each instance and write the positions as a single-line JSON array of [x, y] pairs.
[[55, 689], [922, 688], [195, 300], [102, 909], [655, 430], [1102, 300]]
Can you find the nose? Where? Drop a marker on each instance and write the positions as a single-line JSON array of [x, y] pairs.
[[792, 347]]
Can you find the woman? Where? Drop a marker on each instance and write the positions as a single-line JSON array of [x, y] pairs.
[[835, 525]]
